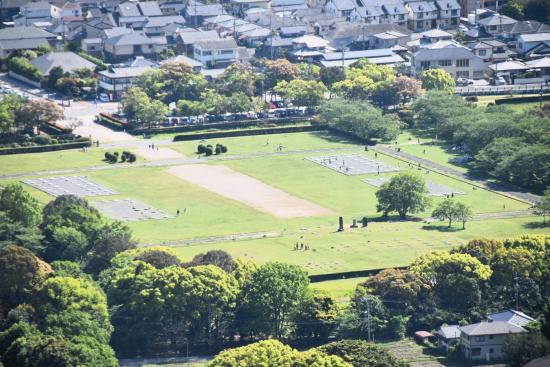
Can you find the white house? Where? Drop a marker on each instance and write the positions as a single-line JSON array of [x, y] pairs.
[[448, 14], [422, 15], [115, 81], [535, 42], [33, 12], [341, 8], [457, 60], [370, 14], [484, 341], [216, 53]]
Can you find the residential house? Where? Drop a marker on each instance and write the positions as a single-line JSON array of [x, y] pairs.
[[310, 47], [10, 8], [92, 46], [541, 68], [448, 14], [371, 14], [491, 50], [23, 38], [340, 8], [497, 24], [149, 9], [95, 27], [512, 316], [427, 37], [33, 12], [525, 27], [68, 11], [128, 45], [448, 336], [293, 31], [69, 61], [196, 12], [511, 70], [186, 40], [533, 44], [388, 39], [288, 5], [241, 6], [457, 60], [216, 53], [159, 26], [484, 341], [197, 66], [422, 15], [379, 57], [115, 81], [396, 12]]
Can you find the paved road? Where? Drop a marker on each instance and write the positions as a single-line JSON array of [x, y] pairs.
[[504, 189]]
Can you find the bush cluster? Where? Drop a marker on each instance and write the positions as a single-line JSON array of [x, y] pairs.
[[208, 150], [26, 140], [124, 157], [23, 67]]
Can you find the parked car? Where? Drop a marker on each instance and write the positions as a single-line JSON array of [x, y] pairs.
[[464, 81], [103, 97], [499, 80]]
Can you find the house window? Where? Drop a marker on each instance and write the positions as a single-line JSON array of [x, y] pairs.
[[463, 74], [490, 337], [226, 52], [445, 62], [476, 351], [419, 24], [462, 63], [424, 65], [482, 52], [454, 12], [207, 53], [480, 339]]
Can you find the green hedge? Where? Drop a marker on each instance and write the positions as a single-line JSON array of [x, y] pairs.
[[23, 67], [100, 65], [225, 134], [522, 99], [112, 122], [45, 148]]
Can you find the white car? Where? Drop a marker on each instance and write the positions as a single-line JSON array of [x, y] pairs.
[[102, 97], [464, 81]]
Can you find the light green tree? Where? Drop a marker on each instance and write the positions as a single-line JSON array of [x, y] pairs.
[[405, 193], [437, 79], [18, 206]]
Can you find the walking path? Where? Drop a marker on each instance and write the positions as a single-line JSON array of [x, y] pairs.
[[501, 188]]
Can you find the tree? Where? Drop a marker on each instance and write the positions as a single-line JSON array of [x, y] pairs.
[[542, 207], [140, 109], [308, 71], [359, 119], [360, 353], [21, 273], [405, 193], [279, 70], [190, 108], [463, 213], [406, 89], [55, 74], [271, 295], [537, 10], [521, 348], [437, 79], [445, 210], [316, 317], [219, 258], [272, 353], [513, 9], [331, 75], [301, 92], [546, 321], [237, 78], [35, 113], [18, 206]]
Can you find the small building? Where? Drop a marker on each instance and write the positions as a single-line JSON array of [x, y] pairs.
[[423, 337], [491, 50], [541, 69], [68, 61], [186, 40], [340, 8], [197, 66], [241, 6], [92, 46], [422, 15], [448, 14], [128, 45], [536, 43], [115, 81], [496, 24], [484, 341], [378, 57], [448, 336], [216, 53]]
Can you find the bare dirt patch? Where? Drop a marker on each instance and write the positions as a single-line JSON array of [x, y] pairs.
[[157, 154], [234, 185]]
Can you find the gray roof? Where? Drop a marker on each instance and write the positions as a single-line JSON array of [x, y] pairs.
[[190, 38], [421, 6], [370, 11], [535, 37], [164, 21], [204, 10], [447, 4], [491, 328], [497, 20], [69, 61], [130, 72], [22, 44], [116, 31], [512, 316], [20, 33], [449, 332], [285, 3], [359, 54], [128, 9], [141, 19], [217, 44], [343, 5], [182, 58], [92, 41], [130, 39], [150, 8]]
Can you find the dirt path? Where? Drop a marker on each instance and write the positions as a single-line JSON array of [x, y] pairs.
[[501, 188]]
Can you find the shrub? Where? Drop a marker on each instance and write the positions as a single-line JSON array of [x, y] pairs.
[[42, 140], [208, 151], [224, 149], [218, 149], [471, 98], [131, 158], [201, 149], [23, 67], [111, 158], [123, 158]]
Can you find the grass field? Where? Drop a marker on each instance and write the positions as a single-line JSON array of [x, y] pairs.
[[516, 106], [212, 221]]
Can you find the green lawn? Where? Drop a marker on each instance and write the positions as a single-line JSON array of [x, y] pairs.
[[436, 153], [269, 143], [341, 289], [516, 106], [75, 158], [211, 216]]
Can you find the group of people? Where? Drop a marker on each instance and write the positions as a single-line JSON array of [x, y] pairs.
[[301, 246], [178, 212], [152, 146]]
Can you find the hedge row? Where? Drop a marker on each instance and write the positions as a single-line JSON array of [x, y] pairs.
[[249, 132], [55, 129], [125, 157], [217, 125], [23, 67], [522, 99], [112, 122], [45, 148], [348, 274]]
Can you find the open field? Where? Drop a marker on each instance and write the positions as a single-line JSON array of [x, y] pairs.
[[516, 106], [210, 219], [341, 289]]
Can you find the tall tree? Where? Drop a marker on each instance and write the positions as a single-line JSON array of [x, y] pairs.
[[405, 193], [437, 79], [279, 70], [35, 113], [18, 206]]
